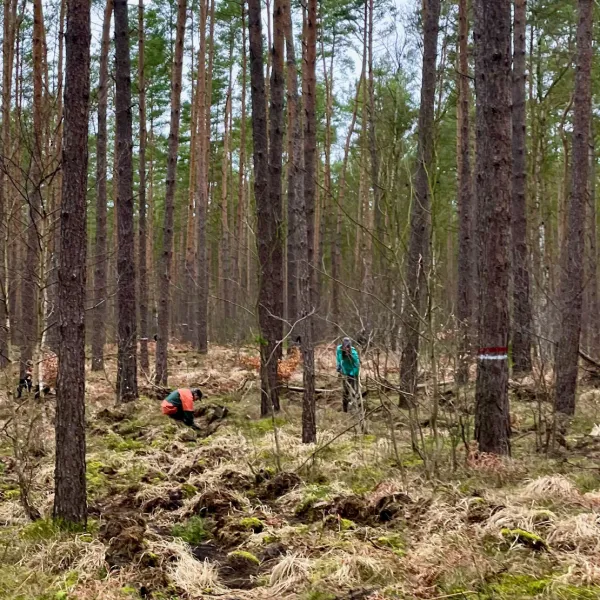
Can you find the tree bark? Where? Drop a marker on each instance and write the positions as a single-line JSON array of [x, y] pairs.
[[30, 287], [275, 208], [142, 225], [202, 188], [492, 77], [225, 273], [167, 252], [571, 286], [466, 256], [127, 327], [100, 275], [70, 484], [521, 331], [295, 182], [7, 51], [268, 370], [417, 265], [308, 294]]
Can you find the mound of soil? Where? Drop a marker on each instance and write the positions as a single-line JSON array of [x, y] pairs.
[[239, 571], [236, 480], [278, 485], [390, 506], [124, 535], [214, 503], [172, 501]]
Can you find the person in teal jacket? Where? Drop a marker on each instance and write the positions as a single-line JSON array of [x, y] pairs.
[[348, 365]]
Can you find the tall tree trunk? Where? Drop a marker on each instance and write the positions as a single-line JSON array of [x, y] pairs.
[[30, 288], [592, 304], [100, 259], [492, 85], [241, 223], [295, 182], [521, 330], [202, 186], [142, 225], [466, 255], [379, 245], [70, 485], [261, 191], [571, 286], [126, 301], [310, 169], [7, 51], [308, 295], [275, 207], [167, 252], [417, 263], [225, 273]]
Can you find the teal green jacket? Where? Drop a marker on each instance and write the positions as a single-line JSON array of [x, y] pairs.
[[348, 365]]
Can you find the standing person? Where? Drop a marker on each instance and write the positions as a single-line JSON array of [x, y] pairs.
[[179, 405], [348, 365]]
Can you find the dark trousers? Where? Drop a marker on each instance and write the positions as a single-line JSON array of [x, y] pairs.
[[350, 390]]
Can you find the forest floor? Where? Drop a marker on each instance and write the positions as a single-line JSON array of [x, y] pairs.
[[246, 511]]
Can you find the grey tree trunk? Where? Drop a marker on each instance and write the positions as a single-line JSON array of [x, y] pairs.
[[100, 296], [417, 263], [127, 390], [70, 484], [571, 284], [167, 252], [522, 316], [493, 172]]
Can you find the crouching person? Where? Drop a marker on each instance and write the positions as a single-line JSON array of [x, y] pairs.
[[179, 405]]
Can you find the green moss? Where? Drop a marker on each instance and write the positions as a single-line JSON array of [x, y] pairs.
[[44, 529], [189, 490], [525, 538], [97, 481], [251, 524], [261, 426], [270, 539], [12, 494], [118, 444], [243, 555], [312, 495], [347, 524], [193, 531], [394, 542]]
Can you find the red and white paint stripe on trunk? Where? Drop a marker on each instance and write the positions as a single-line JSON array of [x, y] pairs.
[[496, 353]]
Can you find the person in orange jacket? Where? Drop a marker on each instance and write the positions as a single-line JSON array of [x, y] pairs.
[[179, 405]]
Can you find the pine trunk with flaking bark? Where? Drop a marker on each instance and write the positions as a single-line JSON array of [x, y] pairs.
[[275, 217], [70, 482], [592, 302], [261, 195], [202, 190], [295, 179], [522, 317], [310, 167], [127, 389], [466, 255], [308, 295], [417, 262], [571, 286], [142, 223], [493, 184], [167, 251], [100, 295]]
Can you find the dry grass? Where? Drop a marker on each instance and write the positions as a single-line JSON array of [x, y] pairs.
[[551, 488], [290, 572]]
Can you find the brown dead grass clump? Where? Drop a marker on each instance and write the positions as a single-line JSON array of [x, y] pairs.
[[551, 488]]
